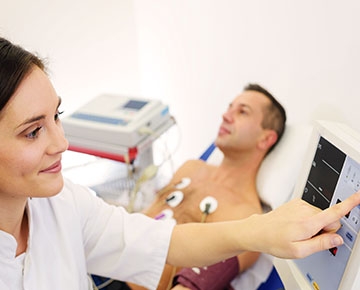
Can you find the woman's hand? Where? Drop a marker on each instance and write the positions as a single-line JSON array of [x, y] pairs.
[[298, 229]]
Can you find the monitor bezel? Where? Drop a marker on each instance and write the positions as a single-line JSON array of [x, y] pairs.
[[348, 141]]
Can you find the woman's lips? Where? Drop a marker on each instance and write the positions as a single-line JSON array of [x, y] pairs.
[[54, 168]]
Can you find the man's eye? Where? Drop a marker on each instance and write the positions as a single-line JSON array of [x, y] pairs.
[[33, 134]]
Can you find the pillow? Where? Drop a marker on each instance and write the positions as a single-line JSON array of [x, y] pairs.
[[279, 170]]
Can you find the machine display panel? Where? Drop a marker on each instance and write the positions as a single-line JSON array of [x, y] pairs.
[[334, 175], [134, 105]]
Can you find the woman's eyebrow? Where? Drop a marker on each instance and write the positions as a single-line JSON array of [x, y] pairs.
[[37, 118], [31, 120]]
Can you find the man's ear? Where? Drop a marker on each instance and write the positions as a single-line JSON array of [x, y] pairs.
[[270, 137]]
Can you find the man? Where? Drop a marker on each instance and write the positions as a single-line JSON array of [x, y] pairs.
[[199, 192]]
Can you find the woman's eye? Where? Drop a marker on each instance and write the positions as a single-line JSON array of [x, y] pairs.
[[33, 134], [57, 115]]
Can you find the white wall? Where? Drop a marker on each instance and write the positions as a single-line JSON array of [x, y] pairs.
[[196, 55], [199, 55], [90, 45]]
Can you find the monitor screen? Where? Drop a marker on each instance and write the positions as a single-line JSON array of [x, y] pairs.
[[135, 105], [331, 173]]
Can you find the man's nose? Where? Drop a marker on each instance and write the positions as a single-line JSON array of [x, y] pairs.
[[228, 116]]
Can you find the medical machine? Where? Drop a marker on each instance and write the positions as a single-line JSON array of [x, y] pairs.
[[330, 174], [117, 127]]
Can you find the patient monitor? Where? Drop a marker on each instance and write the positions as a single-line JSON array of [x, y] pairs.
[[114, 126], [330, 174]]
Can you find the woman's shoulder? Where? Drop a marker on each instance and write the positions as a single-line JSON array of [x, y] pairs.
[[71, 188], [73, 195]]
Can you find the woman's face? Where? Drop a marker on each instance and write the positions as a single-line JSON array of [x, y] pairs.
[[31, 140]]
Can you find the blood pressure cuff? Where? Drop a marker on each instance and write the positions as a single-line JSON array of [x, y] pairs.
[[214, 277]]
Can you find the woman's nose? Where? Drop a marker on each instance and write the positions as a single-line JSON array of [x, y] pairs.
[[58, 142]]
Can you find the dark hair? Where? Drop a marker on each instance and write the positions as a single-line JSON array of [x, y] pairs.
[[274, 114], [15, 64]]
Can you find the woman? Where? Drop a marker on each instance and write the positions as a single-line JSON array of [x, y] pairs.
[[53, 233]]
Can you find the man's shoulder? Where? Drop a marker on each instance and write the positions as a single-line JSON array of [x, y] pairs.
[[189, 167], [194, 163]]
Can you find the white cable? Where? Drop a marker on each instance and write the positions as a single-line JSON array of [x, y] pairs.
[[104, 284], [147, 174], [150, 171]]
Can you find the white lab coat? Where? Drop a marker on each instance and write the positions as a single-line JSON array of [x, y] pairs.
[[75, 233]]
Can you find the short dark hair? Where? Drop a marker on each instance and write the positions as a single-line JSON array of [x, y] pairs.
[[274, 114], [15, 64]]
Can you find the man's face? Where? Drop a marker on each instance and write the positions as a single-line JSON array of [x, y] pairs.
[[241, 128]]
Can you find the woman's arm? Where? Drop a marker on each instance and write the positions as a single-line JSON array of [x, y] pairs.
[[294, 230]]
